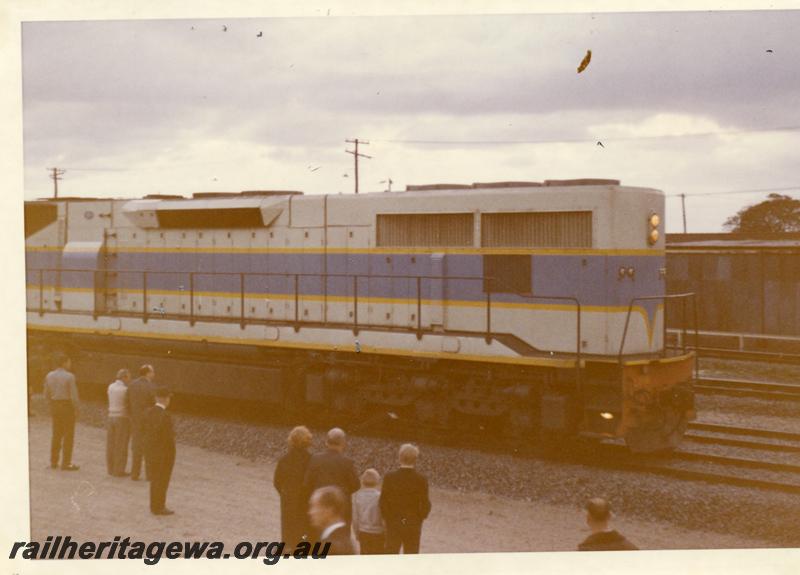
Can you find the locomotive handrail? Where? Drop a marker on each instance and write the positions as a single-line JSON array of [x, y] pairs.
[[683, 297], [294, 292], [577, 303], [277, 274]]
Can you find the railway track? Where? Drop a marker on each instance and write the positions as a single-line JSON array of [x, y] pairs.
[[744, 388], [744, 472], [762, 356], [715, 468]]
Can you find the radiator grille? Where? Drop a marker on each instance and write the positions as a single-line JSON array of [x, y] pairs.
[[537, 230], [425, 230]]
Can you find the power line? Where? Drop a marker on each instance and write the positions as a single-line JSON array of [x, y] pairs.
[[99, 169], [590, 140], [725, 193]]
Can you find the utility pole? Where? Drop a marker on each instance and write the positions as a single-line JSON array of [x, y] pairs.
[[55, 176], [683, 208], [356, 155]]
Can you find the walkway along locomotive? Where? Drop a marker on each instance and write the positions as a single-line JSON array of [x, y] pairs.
[[535, 308]]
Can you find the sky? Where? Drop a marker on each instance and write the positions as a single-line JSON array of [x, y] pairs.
[[695, 103]]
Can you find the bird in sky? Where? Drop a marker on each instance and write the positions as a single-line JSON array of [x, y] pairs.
[[769, 52], [599, 143], [224, 28], [259, 35], [585, 61], [314, 169], [345, 176]]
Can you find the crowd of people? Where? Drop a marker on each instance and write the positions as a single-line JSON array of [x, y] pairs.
[[138, 423], [322, 497]]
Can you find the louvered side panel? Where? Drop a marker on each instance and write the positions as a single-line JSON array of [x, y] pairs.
[[425, 230], [537, 230]]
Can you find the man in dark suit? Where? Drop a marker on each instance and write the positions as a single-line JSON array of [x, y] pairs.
[[404, 503], [288, 481], [159, 451], [141, 397], [598, 515], [326, 512], [331, 467]]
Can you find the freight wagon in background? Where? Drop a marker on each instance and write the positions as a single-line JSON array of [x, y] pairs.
[[527, 308], [747, 286]]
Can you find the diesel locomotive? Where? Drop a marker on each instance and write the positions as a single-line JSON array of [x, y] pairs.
[[535, 308]]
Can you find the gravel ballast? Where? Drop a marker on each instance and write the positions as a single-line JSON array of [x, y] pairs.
[[689, 504]]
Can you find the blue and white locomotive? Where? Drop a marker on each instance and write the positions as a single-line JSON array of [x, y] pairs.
[[537, 308]]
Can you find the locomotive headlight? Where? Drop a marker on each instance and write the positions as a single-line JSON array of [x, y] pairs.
[[653, 222], [607, 415]]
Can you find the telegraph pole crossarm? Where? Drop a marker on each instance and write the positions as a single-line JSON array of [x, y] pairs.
[[55, 176]]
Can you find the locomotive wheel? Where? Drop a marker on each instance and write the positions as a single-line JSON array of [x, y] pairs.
[[663, 435]]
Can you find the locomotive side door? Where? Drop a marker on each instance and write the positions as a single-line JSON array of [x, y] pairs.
[[437, 307]]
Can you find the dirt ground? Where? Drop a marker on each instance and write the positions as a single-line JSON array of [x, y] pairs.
[[231, 499]]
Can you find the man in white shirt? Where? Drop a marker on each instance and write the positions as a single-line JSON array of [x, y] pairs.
[[119, 425], [327, 512], [62, 395]]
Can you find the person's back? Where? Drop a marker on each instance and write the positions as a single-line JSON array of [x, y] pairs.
[[598, 516], [288, 480], [332, 468], [118, 425], [367, 519], [59, 385], [404, 496], [160, 438], [117, 399], [606, 541], [61, 393], [159, 451], [141, 398], [404, 503]]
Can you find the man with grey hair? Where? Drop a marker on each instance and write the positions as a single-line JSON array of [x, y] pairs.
[[404, 503], [332, 467], [119, 425]]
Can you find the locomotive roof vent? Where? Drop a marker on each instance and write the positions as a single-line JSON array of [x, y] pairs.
[[72, 199], [245, 194], [250, 193], [513, 184], [582, 182], [507, 185], [430, 187]]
